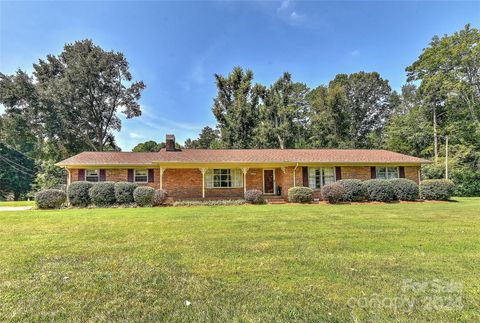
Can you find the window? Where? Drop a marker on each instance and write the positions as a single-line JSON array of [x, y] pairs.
[[317, 177], [387, 172], [92, 175], [223, 178], [141, 175]]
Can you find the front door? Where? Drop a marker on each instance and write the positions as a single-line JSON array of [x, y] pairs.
[[268, 181]]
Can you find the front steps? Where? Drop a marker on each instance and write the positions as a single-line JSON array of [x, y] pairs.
[[274, 199]]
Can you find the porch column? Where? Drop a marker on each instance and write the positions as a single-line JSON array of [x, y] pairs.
[[244, 171], [203, 170], [161, 177]]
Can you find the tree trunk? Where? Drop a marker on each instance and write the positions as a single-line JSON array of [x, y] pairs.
[[16, 196], [435, 135]]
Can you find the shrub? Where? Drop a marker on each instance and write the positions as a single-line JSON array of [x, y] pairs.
[[143, 195], [124, 192], [50, 199], [254, 197], [380, 190], [405, 189], [300, 194], [160, 197], [333, 192], [102, 193], [355, 190], [78, 193], [209, 203], [436, 189]]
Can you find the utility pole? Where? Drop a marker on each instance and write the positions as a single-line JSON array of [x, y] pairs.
[[446, 157]]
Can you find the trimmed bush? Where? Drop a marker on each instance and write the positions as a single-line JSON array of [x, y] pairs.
[[209, 203], [355, 190], [254, 197], [124, 192], [160, 197], [300, 194], [380, 190], [436, 189], [102, 193], [78, 193], [143, 195], [405, 189], [50, 199], [333, 193]]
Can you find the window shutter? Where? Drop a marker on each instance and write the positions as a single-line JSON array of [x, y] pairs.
[[338, 173], [373, 172], [81, 174], [150, 175], [130, 175], [401, 172], [305, 176], [102, 176]]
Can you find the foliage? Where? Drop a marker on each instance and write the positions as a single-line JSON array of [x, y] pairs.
[[124, 192], [143, 195], [206, 139], [380, 190], [50, 199], [333, 192], [405, 189], [149, 146], [209, 203], [254, 197], [102, 193], [17, 172], [436, 189], [355, 190], [467, 181], [160, 197], [300, 194], [49, 176], [78, 193]]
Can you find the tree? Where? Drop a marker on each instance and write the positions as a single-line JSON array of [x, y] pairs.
[[284, 106], [17, 172], [368, 107], [236, 108], [149, 146]]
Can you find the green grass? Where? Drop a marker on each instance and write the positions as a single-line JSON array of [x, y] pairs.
[[241, 263], [17, 203]]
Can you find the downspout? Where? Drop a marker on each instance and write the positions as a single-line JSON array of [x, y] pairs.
[[68, 182], [294, 173]]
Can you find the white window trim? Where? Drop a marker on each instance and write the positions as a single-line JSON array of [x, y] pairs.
[[98, 175], [208, 187], [386, 171], [135, 176], [321, 176]]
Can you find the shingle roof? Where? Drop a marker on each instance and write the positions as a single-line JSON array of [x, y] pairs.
[[338, 156]]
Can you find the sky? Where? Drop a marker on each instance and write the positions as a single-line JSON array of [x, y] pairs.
[[177, 47]]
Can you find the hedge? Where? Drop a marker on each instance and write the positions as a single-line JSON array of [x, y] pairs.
[[300, 194], [355, 190], [124, 192], [50, 199], [405, 189], [78, 193], [380, 190], [254, 197], [436, 189], [103, 193], [143, 195], [160, 197], [333, 192]]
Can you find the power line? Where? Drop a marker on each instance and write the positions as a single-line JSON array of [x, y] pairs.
[[15, 165]]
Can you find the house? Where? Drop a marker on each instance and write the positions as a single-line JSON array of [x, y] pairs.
[[229, 173]]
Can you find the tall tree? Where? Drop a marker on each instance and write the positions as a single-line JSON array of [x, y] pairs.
[[284, 106], [17, 172], [236, 108], [149, 146]]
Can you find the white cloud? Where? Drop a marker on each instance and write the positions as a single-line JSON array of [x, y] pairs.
[[135, 135], [287, 12]]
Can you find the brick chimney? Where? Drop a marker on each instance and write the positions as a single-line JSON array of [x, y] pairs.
[[170, 143]]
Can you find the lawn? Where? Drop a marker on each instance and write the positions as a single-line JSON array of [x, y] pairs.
[[17, 203], [244, 263]]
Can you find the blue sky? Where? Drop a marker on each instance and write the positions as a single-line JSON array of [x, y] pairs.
[[176, 47]]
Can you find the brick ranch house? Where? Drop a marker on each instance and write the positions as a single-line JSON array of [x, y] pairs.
[[229, 173]]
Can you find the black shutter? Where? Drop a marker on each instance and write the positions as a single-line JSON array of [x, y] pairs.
[[305, 176], [401, 172], [102, 176], [81, 174], [338, 173], [150, 175], [373, 172], [130, 175]]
